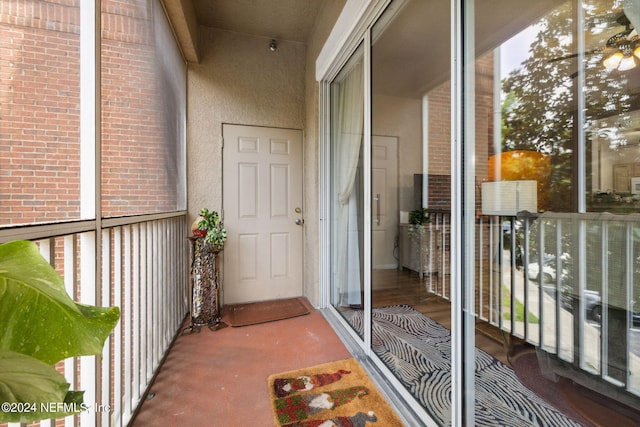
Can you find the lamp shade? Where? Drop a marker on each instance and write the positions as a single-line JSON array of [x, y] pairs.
[[507, 198], [524, 165], [627, 63], [612, 60]]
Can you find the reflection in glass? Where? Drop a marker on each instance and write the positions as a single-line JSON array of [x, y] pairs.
[[566, 277], [550, 285], [410, 174]]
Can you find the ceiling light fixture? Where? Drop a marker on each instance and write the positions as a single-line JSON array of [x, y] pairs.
[[622, 51], [273, 46]]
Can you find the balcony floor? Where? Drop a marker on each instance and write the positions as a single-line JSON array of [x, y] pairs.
[[219, 379]]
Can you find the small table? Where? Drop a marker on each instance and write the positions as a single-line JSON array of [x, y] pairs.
[[419, 249]]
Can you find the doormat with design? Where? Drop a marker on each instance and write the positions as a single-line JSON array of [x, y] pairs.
[[333, 394], [265, 311]]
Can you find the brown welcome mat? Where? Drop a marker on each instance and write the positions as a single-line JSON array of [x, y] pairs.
[[333, 394], [265, 311]]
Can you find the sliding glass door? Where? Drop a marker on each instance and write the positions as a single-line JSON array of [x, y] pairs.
[[550, 123], [410, 155], [484, 191], [410, 198]]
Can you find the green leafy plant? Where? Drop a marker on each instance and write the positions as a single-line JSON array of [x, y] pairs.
[[419, 217], [41, 325], [212, 223]]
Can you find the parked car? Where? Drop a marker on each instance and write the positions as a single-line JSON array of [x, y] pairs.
[[593, 307], [548, 270]]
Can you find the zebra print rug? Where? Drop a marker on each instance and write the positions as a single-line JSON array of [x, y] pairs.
[[418, 351]]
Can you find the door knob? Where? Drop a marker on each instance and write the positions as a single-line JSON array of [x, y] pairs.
[[299, 221]]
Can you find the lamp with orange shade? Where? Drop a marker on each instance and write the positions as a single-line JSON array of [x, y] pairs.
[[524, 165]]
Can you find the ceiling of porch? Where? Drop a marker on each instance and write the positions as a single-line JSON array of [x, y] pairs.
[[410, 38], [291, 20]]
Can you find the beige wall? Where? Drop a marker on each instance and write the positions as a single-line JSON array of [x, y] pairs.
[[239, 80], [401, 117]]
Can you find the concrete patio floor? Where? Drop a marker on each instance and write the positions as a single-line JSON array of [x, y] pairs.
[[219, 378]]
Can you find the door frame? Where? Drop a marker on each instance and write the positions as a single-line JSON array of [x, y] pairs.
[[353, 28], [302, 192], [396, 180]]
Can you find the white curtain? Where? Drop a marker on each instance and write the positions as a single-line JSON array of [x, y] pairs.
[[347, 141]]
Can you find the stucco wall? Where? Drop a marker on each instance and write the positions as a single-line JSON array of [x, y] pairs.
[[401, 117], [240, 81]]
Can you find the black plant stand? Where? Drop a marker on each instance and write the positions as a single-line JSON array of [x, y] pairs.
[[205, 283]]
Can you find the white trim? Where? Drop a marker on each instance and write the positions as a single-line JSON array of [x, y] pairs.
[[126, 321], [352, 27], [344, 39], [118, 368], [350, 17], [581, 111], [138, 261], [90, 110], [465, 306], [367, 99], [346, 35], [457, 368], [324, 225], [88, 295], [70, 282], [106, 365]]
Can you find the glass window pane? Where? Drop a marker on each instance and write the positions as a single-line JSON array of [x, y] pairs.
[[411, 198], [612, 119], [39, 112], [550, 114], [143, 111], [607, 303]]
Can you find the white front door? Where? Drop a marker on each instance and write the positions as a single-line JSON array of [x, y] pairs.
[[384, 201], [262, 201]]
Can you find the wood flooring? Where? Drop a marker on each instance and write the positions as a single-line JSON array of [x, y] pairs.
[[393, 287]]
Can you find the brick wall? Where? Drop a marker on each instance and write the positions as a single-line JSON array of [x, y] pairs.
[[439, 157], [40, 113], [440, 130], [138, 161]]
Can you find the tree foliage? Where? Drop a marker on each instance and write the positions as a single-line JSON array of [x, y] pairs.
[[540, 99]]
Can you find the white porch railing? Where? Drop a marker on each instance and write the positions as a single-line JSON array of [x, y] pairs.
[[569, 284], [139, 264]]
